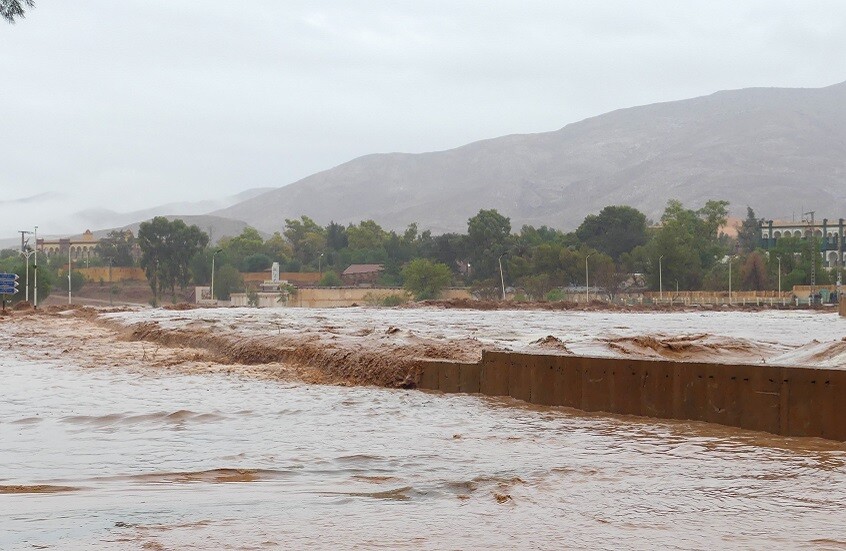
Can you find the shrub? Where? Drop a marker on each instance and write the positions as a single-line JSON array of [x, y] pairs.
[[330, 279], [425, 279]]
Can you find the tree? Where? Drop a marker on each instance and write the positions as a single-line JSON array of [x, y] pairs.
[[336, 236], [604, 278], [488, 235], [166, 252], [749, 232], [425, 279], [277, 248], [227, 280], [614, 231], [486, 289], [449, 249], [688, 244], [307, 239], [116, 246], [714, 214], [10, 9], [258, 262], [535, 286], [77, 282], [238, 248], [754, 272], [367, 235], [200, 266]]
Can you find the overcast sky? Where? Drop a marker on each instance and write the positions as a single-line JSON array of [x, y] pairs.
[[134, 103]]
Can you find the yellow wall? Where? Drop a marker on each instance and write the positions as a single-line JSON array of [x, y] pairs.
[[334, 297], [118, 274], [297, 278]]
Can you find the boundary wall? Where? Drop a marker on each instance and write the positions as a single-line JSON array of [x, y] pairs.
[[790, 401], [118, 274]]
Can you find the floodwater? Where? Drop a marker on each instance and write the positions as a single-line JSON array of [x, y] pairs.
[[120, 459], [772, 336]]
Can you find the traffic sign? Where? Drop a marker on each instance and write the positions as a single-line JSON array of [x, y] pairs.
[[8, 284]]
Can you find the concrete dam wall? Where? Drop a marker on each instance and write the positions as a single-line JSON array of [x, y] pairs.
[[790, 401]]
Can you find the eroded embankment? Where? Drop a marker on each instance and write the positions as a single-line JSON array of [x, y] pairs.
[[367, 360]]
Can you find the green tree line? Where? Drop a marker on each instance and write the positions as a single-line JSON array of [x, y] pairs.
[[685, 249]]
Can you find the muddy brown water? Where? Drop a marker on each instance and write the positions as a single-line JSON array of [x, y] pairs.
[[113, 459]]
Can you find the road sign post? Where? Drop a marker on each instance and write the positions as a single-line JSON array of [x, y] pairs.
[[8, 286], [8, 283]]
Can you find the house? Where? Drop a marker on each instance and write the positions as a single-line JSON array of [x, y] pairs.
[[362, 275]]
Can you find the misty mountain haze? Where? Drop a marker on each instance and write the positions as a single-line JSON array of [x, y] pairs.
[[778, 150], [65, 214]]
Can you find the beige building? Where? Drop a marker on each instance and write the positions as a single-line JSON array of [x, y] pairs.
[[81, 248]]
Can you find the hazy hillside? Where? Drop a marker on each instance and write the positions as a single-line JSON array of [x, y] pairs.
[[216, 226], [104, 218], [777, 150]]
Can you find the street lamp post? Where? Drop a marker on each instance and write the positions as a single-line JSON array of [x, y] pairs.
[[501, 276], [26, 259], [111, 290], [587, 279], [730, 259], [661, 278], [26, 254], [35, 273], [319, 259], [779, 275], [211, 289], [70, 271]]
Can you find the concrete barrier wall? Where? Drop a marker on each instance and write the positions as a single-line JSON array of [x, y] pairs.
[[791, 401]]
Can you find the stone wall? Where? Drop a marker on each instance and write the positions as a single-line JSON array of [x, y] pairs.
[[791, 401]]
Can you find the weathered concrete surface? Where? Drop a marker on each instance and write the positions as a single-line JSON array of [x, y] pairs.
[[792, 401]]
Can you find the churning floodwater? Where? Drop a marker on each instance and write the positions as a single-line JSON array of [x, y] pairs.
[[120, 459]]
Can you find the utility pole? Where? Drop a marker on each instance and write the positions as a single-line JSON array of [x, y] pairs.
[[211, 288], [814, 251], [70, 270], [501, 275], [587, 280], [661, 278]]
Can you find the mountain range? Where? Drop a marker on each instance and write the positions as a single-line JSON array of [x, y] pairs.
[[778, 150]]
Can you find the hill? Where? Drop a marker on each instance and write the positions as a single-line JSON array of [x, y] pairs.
[[778, 150]]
